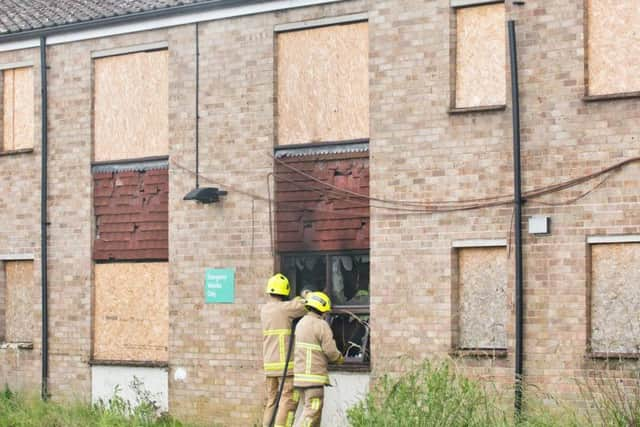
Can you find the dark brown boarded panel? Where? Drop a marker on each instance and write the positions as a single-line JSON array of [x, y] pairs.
[[310, 215], [132, 215]]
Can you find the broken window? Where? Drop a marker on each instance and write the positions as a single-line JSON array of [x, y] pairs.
[[345, 278], [615, 298], [17, 109], [480, 72], [613, 47]]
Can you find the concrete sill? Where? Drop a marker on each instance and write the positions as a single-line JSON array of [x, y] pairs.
[[350, 367], [611, 96], [16, 152], [481, 109], [16, 346], [613, 356], [489, 353], [130, 363]]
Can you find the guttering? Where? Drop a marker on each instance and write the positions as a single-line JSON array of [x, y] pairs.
[[517, 190], [149, 20], [43, 218]]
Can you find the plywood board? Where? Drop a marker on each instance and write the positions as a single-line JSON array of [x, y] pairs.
[[131, 106], [323, 84], [480, 56], [18, 109], [19, 301], [131, 313], [482, 297], [615, 298], [613, 46]]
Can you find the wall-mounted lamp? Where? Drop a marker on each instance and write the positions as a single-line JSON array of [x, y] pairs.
[[205, 195]]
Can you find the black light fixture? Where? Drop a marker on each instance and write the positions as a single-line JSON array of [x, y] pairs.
[[205, 195]]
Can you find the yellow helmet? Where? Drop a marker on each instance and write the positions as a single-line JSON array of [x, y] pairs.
[[319, 301], [278, 284]]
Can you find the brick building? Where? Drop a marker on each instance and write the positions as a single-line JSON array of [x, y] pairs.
[[365, 148]]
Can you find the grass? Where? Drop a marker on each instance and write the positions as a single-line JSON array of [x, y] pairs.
[[435, 394], [18, 410]]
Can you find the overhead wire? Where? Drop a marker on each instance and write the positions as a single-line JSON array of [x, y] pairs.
[[404, 206]]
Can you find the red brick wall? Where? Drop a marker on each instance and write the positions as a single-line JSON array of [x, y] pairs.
[[132, 215], [312, 217]]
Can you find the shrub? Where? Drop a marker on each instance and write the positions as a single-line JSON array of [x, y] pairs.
[[432, 395]]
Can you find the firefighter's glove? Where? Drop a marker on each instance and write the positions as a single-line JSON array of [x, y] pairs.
[[340, 360]]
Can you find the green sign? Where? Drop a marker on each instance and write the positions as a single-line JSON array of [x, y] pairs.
[[219, 285]]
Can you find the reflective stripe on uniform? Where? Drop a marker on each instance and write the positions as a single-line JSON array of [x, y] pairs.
[[267, 332], [308, 346], [309, 358], [282, 350], [319, 379], [289, 422], [295, 396], [315, 403], [283, 356], [277, 366]]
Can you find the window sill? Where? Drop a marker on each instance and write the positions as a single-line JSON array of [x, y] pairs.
[[611, 96], [350, 367], [613, 356], [16, 152], [130, 363], [479, 109], [16, 346], [490, 353]]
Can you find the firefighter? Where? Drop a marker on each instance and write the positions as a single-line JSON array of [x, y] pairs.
[[315, 347], [277, 317]]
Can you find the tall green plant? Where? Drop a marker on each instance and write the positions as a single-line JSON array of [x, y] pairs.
[[432, 395]]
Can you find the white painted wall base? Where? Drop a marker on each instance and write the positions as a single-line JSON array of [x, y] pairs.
[[348, 389], [104, 380]]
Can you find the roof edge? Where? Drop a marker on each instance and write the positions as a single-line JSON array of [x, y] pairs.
[[169, 12]]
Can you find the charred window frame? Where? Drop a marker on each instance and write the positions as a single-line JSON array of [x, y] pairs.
[[344, 276]]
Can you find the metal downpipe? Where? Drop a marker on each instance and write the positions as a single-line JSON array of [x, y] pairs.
[[44, 218], [517, 184]]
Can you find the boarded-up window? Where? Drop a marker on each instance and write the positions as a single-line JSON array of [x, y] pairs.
[[132, 215], [323, 84], [481, 299], [613, 46], [17, 109], [480, 56], [131, 106], [615, 298], [131, 314], [18, 302]]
